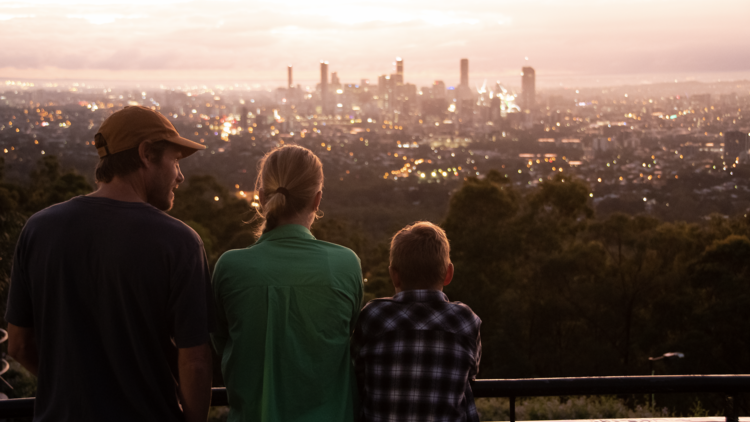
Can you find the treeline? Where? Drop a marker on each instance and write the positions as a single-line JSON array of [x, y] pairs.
[[560, 291]]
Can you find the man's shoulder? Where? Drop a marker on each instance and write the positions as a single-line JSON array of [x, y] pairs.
[[56, 217], [178, 228], [54, 211], [126, 215]]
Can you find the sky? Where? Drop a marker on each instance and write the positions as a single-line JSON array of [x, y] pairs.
[[568, 42]]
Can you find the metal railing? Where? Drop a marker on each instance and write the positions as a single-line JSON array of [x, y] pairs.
[[729, 385]]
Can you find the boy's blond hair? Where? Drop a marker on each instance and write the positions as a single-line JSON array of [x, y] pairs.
[[420, 254]]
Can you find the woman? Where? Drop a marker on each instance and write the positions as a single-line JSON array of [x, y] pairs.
[[287, 305]]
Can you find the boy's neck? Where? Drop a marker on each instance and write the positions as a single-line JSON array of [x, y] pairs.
[[399, 290]]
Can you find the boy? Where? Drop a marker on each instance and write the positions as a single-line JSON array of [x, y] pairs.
[[414, 353]]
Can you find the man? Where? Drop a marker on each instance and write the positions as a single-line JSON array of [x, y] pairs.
[[415, 353], [109, 301]]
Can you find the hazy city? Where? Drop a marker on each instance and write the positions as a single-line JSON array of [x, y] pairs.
[[678, 151], [588, 160]]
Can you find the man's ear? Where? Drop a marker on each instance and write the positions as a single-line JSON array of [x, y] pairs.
[[395, 279], [448, 275], [143, 152]]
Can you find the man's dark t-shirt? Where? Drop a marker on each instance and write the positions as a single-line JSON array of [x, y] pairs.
[[112, 289]]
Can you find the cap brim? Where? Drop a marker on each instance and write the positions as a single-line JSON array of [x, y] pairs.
[[189, 146]]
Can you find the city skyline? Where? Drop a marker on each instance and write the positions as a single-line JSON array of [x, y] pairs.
[[581, 43]]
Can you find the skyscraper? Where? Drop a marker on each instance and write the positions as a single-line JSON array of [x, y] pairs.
[[323, 74], [385, 92], [399, 71], [289, 77], [324, 85], [465, 72], [528, 88]]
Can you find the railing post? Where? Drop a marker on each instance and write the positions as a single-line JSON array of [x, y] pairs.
[[513, 409], [731, 410]]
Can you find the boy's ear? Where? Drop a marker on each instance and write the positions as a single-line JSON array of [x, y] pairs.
[[395, 279], [448, 275]]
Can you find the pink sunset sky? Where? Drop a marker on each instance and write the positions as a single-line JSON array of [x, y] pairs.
[[584, 42]]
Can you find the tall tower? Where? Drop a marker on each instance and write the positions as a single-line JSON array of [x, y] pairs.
[[289, 77], [324, 85], [528, 88], [465, 72], [399, 71]]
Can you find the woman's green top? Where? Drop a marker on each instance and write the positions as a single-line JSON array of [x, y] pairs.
[[286, 308]]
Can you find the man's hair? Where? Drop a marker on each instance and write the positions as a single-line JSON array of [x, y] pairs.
[[420, 254], [126, 162]]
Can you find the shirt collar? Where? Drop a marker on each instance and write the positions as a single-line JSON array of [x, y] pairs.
[[287, 231], [421, 296]]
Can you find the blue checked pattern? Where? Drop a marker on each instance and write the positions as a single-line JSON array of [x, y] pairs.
[[414, 355]]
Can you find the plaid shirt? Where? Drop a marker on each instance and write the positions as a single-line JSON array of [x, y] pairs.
[[414, 355]]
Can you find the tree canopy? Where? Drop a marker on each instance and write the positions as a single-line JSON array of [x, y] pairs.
[[560, 291]]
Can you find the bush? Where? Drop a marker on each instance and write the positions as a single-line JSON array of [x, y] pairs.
[[218, 414], [558, 408], [23, 381]]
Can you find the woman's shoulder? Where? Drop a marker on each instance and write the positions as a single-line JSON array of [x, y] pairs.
[[233, 255], [339, 252]]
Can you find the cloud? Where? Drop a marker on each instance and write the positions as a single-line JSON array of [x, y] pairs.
[[254, 40], [7, 17], [102, 18]]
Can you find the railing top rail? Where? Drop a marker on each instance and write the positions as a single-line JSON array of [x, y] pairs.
[[532, 387]]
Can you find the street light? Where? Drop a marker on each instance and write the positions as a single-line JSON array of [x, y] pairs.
[[678, 355]]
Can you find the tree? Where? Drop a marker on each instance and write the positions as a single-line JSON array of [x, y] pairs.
[[372, 254], [50, 185], [222, 219], [719, 318], [485, 251]]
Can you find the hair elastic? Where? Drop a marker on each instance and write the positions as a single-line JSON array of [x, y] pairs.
[[283, 191]]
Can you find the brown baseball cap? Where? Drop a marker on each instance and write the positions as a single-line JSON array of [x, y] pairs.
[[127, 128]]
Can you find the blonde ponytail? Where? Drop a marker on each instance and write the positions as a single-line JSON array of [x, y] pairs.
[[290, 177]]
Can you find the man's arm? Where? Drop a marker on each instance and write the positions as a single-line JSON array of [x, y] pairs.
[[22, 347], [194, 365], [220, 335]]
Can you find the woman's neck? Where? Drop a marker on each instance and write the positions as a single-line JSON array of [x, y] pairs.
[[300, 219]]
